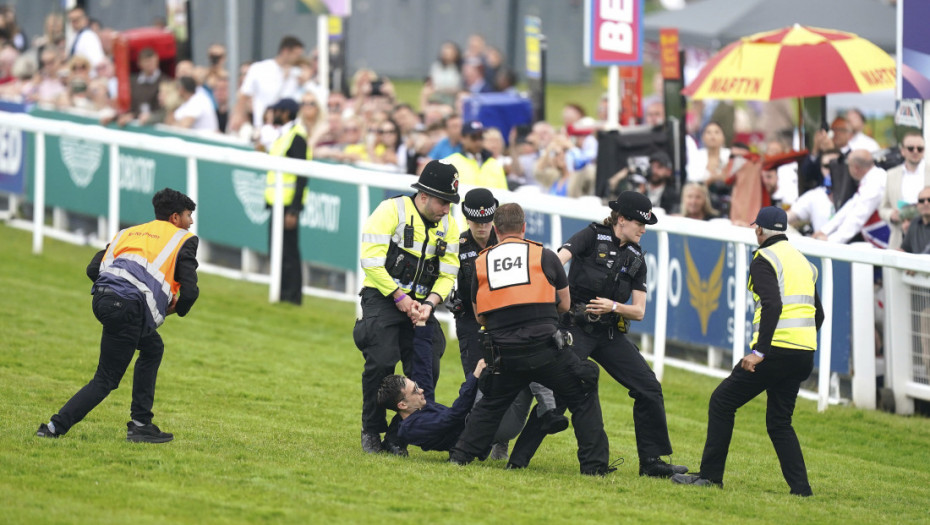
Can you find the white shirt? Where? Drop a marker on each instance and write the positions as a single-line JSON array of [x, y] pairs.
[[911, 184], [267, 82], [787, 191], [850, 219], [88, 46], [200, 107], [862, 141], [814, 206], [697, 164]]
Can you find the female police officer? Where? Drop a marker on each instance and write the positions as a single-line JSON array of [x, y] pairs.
[[608, 268]]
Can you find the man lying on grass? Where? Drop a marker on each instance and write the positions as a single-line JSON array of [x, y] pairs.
[[424, 422]]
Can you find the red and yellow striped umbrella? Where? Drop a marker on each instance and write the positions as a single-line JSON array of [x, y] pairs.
[[794, 62]]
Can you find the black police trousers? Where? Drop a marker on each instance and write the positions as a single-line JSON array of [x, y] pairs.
[[779, 375], [470, 349], [384, 334], [124, 330], [292, 280], [621, 359], [559, 371]]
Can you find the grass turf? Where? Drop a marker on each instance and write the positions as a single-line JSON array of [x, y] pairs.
[[264, 401]]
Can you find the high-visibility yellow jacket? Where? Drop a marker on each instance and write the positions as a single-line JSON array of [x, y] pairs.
[[797, 327], [489, 175], [420, 266], [144, 258], [279, 149]]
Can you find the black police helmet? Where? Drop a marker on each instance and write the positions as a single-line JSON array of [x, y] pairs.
[[479, 205], [634, 206], [439, 179]]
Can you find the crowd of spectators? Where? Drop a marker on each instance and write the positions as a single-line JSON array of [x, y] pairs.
[[835, 191]]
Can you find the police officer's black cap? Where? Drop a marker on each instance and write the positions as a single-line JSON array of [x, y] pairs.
[[439, 179], [634, 206], [479, 205]]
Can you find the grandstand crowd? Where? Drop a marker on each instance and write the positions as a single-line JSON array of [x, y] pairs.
[[740, 158]]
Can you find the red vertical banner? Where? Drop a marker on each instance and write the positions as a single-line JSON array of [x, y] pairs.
[[631, 95], [668, 53], [613, 32]]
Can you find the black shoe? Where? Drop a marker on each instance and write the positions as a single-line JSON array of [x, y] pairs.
[[806, 494], [45, 432], [146, 434], [552, 422], [695, 479], [393, 448], [514, 466], [656, 468], [458, 458], [499, 451], [371, 442]]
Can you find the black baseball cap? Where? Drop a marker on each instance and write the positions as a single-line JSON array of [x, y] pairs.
[[479, 205], [634, 206], [472, 127], [772, 218], [662, 158], [440, 179]]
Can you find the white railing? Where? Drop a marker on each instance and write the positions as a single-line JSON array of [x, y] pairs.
[[862, 257]]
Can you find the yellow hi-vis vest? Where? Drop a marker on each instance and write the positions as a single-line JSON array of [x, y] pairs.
[[145, 257], [488, 175], [383, 232], [279, 149], [797, 277]]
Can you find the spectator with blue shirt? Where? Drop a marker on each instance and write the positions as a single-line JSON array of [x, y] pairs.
[[452, 143]]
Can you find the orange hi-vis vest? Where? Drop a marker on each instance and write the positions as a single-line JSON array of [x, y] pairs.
[[144, 256], [511, 274]]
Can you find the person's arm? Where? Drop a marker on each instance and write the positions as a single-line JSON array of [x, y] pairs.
[[888, 210], [819, 314], [185, 273], [298, 150], [93, 269], [765, 285], [863, 204]]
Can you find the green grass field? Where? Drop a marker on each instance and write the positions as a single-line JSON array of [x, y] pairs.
[[264, 401]]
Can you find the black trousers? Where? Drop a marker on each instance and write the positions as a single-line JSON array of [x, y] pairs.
[[621, 359], [384, 334], [779, 375], [469, 343], [124, 331], [563, 376], [292, 280]]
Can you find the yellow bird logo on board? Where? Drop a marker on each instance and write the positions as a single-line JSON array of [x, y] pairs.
[[705, 295]]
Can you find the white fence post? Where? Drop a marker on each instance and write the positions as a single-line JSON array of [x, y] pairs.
[[193, 186], [826, 336], [863, 335], [661, 322], [38, 206], [277, 238], [898, 351], [113, 207]]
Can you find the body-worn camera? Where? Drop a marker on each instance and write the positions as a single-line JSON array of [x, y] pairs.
[[455, 304]]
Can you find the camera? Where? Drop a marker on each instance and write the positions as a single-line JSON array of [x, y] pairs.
[[455, 305], [376, 87]]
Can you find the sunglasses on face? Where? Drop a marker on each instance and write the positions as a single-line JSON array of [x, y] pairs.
[[912, 149], [311, 103], [924, 200], [79, 67]]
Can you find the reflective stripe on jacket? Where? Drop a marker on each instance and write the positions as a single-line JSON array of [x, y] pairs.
[[279, 149], [511, 274], [797, 327], [489, 175], [145, 256], [385, 228]]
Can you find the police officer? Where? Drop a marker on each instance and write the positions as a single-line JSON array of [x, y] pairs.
[[519, 289], [478, 207], [293, 144], [475, 164], [787, 316], [410, 256], [608, 267], [136, 279]]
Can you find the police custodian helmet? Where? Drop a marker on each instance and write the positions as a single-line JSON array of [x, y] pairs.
[[479, 205], [439, 179], [634, 206]]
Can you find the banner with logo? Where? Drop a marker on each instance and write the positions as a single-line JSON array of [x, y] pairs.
[[914, 55], [12, 152], [613, 33]]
